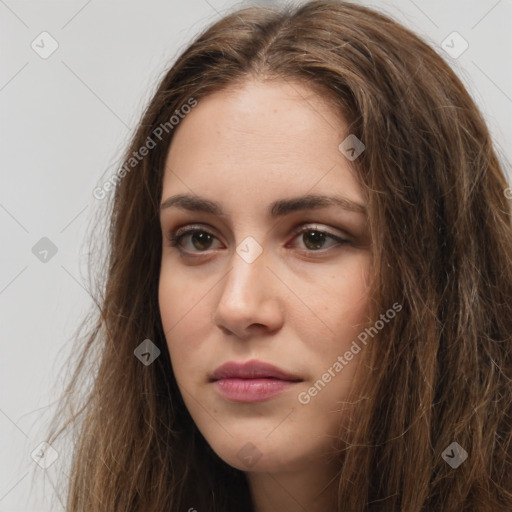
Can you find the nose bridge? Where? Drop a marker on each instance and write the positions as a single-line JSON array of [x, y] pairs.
[[246, 282], [249, 294]]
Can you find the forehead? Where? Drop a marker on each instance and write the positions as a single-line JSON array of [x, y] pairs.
[[261, 136], [274, 113]]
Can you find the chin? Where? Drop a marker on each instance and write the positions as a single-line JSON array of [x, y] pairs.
[[256, 453]]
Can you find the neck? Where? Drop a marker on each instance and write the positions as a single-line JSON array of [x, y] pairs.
[[311, 490]]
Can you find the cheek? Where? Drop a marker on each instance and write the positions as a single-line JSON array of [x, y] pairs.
[[340, 310], [185, 314], [179, 297], [170, 307], [342, 301]]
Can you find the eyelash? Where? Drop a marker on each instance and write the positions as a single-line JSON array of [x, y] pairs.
[[175, 237]]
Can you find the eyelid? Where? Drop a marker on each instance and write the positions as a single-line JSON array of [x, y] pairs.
[[317, 227], [191, 227]]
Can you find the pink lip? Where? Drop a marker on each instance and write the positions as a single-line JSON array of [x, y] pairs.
[[253, 381]]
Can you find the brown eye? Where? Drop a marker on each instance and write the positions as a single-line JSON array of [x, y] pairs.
[[199, 239], [315, 239]]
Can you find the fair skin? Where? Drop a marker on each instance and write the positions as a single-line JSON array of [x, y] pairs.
[[298, 305]]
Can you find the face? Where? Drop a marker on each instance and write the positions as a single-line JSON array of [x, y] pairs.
[[258, 276]]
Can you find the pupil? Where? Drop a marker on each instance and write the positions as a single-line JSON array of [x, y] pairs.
[[203, 238], [316, 237]]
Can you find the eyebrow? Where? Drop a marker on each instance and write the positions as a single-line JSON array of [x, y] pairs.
[[276, 209]]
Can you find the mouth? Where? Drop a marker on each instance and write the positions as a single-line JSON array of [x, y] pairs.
[[253, 381]]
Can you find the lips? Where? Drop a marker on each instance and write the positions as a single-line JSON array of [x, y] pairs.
[[253, 381], [252, 370]]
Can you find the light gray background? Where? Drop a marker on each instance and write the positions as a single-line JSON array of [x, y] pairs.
[[65, 120]]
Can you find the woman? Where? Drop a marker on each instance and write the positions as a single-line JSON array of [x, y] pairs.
[[308, 292]]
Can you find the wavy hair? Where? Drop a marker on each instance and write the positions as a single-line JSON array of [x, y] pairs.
[[441, 233]]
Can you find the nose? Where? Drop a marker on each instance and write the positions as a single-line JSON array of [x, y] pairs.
[[250, 300]]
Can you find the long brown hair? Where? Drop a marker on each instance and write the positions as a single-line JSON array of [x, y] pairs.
[[440, 221]]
